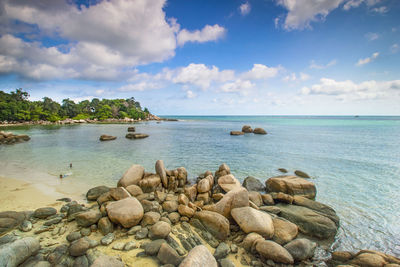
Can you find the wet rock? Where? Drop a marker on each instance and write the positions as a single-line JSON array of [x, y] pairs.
[[284, 231], [253, 184], [199, 256], [95, 192], [291, 185], [236, 133], [274, 251], [107, 239], [79, 247], [301, 249], [168, 255], [368, 260], [43, 213], [318, 207], [247, 129], [233, 199], [134, 190], [159, 230], [105, 137], [18, 251], [222, 251], [251, 220], [136, 136], [301, 174], [131, 129], [160, 170], [87, 218], [105, 226], [132, 176], [259, 131], [282, 170], [128, 212], [107, 261], [215, 223]]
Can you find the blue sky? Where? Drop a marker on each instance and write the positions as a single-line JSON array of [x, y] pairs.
[[261, 57]]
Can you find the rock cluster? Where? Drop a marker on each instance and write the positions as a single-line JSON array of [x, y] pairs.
[[248, 129], [9, 138]]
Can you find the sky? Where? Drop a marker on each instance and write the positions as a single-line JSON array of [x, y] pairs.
[[225, 57]]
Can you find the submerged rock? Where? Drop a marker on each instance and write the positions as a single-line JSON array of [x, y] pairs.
[[136, 136], [247, 129], [237, 133], [301, 174], [259, 131]]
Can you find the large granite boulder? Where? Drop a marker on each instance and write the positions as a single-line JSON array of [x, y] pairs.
[[132, 176], [317, 207], [128, 212], [215, 223], [10, 220], [309, 221], [199, 256], [236, 198], [119, 193], [252, 220], [203, 186], [285, 231], [228, 182], [95, 192], [160, 170], [15, 253], [253, 184], [291, 185], [273, 251]]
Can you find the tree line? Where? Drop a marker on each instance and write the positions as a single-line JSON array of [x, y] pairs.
[[16, 106]]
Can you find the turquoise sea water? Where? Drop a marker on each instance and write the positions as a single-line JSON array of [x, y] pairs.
[[355, 162]]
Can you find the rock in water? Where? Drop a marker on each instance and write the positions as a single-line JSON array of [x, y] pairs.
[[259, 131], [132, 176], [247, 129], [252, 220], [199, 256], [136, 136], [215, 223], [105, 137], [160, 170], [301, 174], [271, 250], [95, 192], [282, 170], [131, 129], [253, 184], [15, 253], [301, 249], [237, 133], [291, 185], [128, 212]]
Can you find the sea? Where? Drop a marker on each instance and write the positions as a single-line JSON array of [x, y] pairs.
[[353, 160]]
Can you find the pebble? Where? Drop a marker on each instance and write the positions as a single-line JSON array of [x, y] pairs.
[[118, 246], [107, 239], [73, 236], [142, 233], [130, 245], [85, 232], [26, 226], [134, 230]]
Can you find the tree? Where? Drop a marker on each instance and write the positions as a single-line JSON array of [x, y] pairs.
[[69, 108]]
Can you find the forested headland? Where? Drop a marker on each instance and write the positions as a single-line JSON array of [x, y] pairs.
[[16, 106]]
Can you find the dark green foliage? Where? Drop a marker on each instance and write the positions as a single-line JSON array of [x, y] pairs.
[[15, 106]]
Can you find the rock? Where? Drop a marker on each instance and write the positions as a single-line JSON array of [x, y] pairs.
[[185, 211], [253, 184], [43, 213], [87, 218], [259, 131], [267, 199], [52, 221], [170, 206], [130, 245], [107, 239], [285, 231], [26, 226], [368, 260], [142, 233], [132, 176], [199, 256], [301, 174], [274, 251], [215, 223], [174, 217], [79, 247], [252, 220], [301, 249], [183, 199], [131, 129], [150, 183], [247, 129], [81, 261], [233, 199], [291, 185], [228, 183], [226, 263], [136, 136], [151, 206], [105, 226], [256, 198], [150, 218], [159, 230], [250, 241], [222, 170], [282, 170], [168, 255], [282, 197], [95, 192], [318, 207], [134, 230], [119, 193], [15, 253], [191, 192], [160, 170], [105, 137], [107, 261], [222, 251], [134, 190], [153, 247], [237, 133], [203, 197], [342, 256], [118, 246], [203, 186], [86, 231], [128, 212], [103, 198], [308, 221], [73, 236]]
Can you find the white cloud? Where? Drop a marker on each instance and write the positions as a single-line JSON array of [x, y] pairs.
[[292, 77], [238, 86], [208, 33], [346, 90], [245, 8], [260, 71], [371, 36], [363, 61], [190, 94], [304, 76], [394, 48], [314, 65], [381, 10]]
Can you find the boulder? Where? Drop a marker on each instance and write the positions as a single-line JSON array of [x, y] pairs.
[[301, 249], [131, 129], [282, 197], [150, 218], [87, 218], [267, 199], [237, 133], [15, 253], [191, 192], [170, 206], [43, 213], [150, 183], [168, 255], [105, 137], [107, 261], [183, 199], [222, 170], [221, 251], [273, 251], [253, 184], [95, 192], [182, 176], [79, 247], [132, 176], [203, 197], [136, 136], [128, 212], [233, 199], [301, 174], [259, 131], [252, 220], [284, 231], [318, 207], [368, 260], [199, 256], [119, 193], [203, 186], [153, 247], [291, 185], [250, 240], [215, 223], [309, 221], [160, 170], [247, 129], [185, 211], [105, 226], [228, 182], [256, 198], [159, 230], [10, 219], [134, 190]]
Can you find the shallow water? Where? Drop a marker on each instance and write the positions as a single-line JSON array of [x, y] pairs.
[[355, 162]]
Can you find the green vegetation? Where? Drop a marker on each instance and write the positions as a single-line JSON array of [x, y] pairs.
[[15, 106]]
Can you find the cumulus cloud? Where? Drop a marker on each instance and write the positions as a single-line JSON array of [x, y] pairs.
[[314, 65], [208, 33], [190, 94], [238, 86], [245, 8], [350, 90], [292, 77], [363, 61], [380, 10], [371, 36], [260, 71]]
